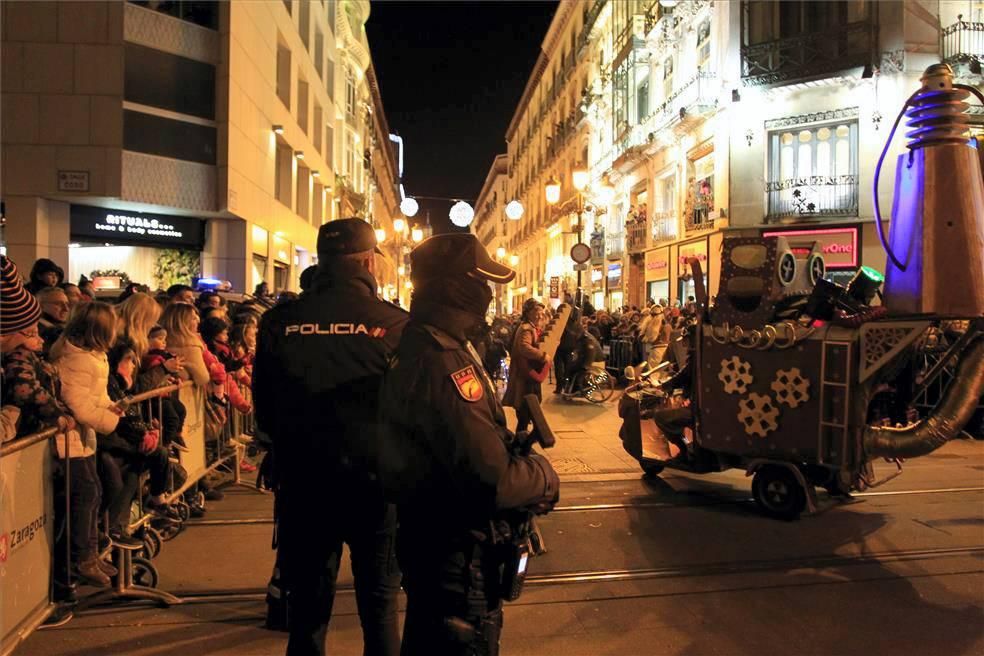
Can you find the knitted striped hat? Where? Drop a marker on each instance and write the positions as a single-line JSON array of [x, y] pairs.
[[18, 308]]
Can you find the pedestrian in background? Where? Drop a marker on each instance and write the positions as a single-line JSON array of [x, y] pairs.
[[316, 378], [525, 358]]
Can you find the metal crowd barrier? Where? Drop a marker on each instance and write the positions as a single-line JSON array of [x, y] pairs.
[[27, 513]]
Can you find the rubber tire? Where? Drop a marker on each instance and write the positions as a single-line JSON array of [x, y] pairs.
[[169, 531], [604, 388], [183, 509], [651, 469], [152, 538], [778, 493], [144, 573]]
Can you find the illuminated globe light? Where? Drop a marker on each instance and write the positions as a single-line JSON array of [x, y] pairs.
[[408, 285], [409, 207], [417, 234], [513, 260], [461, 214], [514, 210], [380, 235]]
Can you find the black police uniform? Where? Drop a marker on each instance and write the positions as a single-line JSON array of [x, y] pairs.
[[444, 456], [316, 380]]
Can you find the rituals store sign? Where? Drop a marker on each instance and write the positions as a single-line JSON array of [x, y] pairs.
[[124, 228]]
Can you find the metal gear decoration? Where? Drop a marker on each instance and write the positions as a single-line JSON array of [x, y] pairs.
[[736, 374], [791, 387], [758, 414]]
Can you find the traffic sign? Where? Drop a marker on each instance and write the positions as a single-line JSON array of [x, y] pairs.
[[580, 252], [581, 266]]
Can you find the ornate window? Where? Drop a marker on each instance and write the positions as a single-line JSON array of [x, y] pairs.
[[813, 167]]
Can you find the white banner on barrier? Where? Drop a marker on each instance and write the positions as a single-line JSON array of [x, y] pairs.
[[26, 535], [194, 431]]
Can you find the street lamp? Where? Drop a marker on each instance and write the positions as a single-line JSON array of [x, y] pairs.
[[580, 177], [552, 191], [513, 260], [417, 235], [500, 252], [380, 235], [399, 225]]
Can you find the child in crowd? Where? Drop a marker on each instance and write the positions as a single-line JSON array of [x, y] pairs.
[[134, 447], [174, 411]]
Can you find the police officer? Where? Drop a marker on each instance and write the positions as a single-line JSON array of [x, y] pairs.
[[445, 456], [316, 381]]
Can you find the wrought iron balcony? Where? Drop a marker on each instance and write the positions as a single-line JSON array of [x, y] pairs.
[[697, 97], [664, 226], [963, 42], [817, 195], [809, 55], [615, 245], [635, 236]]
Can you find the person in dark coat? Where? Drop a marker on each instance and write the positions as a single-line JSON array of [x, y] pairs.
[[316, 377], [524, 358], [448, 459]]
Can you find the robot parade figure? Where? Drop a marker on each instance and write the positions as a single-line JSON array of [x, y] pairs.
[[465, 486], [319, 365]]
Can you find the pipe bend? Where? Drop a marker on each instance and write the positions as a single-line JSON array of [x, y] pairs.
[[948, 418]]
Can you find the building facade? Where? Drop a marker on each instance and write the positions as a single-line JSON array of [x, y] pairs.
[[215, 138], [490, 224], [698, 118]]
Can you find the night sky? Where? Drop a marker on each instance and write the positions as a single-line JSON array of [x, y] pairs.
[[451, 74]]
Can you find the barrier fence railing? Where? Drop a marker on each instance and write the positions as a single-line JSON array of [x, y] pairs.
[[27, 526]]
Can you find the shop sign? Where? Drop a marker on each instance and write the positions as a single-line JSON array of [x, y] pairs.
[[124, 228], [696, 249], [657, 264], [839, 245], [614, 276], [554, 287], [597, 274]]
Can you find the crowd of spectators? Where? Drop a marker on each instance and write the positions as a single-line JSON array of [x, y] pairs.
[[72, 363]]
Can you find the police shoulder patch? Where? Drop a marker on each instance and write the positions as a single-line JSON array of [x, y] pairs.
[[468, 384]]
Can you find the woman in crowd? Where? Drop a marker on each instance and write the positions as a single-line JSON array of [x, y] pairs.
[[136, 316], [181, 323], [80, 356]]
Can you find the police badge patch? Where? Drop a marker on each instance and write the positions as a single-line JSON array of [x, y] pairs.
[[468, 384]]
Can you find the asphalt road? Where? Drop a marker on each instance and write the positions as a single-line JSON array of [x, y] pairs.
[[677, 565]]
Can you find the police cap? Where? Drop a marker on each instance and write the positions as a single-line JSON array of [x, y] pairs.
[[456, 254], [345, 237]]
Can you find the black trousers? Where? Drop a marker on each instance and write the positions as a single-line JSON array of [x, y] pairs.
[[309, 550], [447, 613], [523, 418], [120, 478], [84, 496]]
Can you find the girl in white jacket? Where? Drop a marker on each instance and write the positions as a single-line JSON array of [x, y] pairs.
[[80, 355]]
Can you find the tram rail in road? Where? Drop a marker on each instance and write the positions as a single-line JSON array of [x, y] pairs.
[[730, 568], [591, 507]]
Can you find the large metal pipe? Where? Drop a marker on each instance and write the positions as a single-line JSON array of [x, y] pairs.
[[947, 419]]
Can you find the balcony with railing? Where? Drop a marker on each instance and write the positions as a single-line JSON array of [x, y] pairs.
[[635, 235], [962, 42], [697, 97], [814, 196], [615, 245], [809, 55], [664, 226]]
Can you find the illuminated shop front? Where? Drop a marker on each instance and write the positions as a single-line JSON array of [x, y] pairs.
[[657, 274], [114, 247]]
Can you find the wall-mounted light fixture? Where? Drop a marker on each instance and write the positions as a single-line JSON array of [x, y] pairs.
[[279, 129], [315, 173], [299, 154]]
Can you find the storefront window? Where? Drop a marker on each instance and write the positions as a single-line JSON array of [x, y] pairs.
[[280, 282], [658, 290], [259, 269]]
